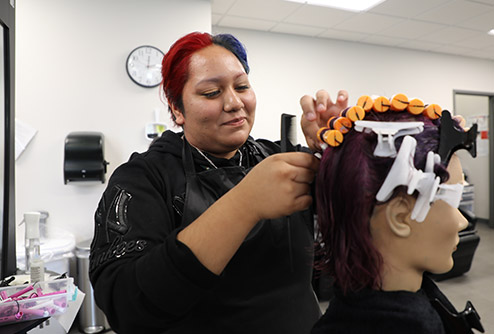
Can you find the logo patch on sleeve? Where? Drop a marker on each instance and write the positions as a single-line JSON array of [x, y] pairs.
[[117, 212]]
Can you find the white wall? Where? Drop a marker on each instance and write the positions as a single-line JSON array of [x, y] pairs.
[[285, 67], [70, 76]]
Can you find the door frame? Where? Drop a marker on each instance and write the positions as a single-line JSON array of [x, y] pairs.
[[489, 221]]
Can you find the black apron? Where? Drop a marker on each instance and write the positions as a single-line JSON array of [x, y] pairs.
[[262, 289], [204, 188]]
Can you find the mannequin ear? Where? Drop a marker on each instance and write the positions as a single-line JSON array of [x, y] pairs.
[[398, 215], [178, 115]]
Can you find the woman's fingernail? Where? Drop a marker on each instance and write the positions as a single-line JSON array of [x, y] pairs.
[[320, 107], [311, 116]]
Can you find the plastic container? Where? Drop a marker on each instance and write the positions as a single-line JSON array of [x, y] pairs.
[[28, 302], [57, 251], [91, 317], [32, 245]]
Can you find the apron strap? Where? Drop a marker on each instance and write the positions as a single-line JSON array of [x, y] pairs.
[[258, 149], [187, 159]]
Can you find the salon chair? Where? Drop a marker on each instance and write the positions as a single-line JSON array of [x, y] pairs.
[[463, 256]]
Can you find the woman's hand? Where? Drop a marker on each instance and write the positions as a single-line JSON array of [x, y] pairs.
[[317, 111], [279, 185], [276, 187], [462, 121]]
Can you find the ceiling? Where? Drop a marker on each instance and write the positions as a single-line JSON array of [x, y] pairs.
[[456, 27]]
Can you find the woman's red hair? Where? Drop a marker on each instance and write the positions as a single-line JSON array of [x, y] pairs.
[[175, 65]]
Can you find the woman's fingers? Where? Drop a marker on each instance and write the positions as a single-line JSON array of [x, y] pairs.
[[280, 184], [317, 111]]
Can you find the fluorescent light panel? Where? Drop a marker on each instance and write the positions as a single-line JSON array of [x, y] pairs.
[[351, 5], [491, 32]]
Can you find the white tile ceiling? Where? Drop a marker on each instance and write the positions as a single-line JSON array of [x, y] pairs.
[[449, 26]]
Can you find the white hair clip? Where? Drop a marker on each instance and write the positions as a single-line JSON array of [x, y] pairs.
[[450, 193], [404, 173], [387, 132]]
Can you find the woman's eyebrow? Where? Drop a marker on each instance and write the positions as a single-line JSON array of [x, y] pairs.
[[219, 79]]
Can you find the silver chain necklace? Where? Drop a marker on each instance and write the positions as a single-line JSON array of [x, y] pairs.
[[209, 160]]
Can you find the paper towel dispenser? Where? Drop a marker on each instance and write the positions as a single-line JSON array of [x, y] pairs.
[[84, 157]]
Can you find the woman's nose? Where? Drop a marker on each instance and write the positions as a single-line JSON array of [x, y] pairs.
[[232, 101]]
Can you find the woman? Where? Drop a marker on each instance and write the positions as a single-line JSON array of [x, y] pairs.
[[379, 230], [190, 235]]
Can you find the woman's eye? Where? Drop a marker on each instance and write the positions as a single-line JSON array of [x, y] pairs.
[[243, 87], [211, 94]]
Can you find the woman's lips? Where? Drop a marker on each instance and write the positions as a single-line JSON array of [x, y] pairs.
[[235, 122]]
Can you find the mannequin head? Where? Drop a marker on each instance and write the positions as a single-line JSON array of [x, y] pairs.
[[408, 247], [368, 243]]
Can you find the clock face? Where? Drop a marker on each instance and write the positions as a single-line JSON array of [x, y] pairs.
[[144, 66]]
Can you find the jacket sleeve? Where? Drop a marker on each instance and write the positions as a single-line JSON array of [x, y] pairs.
[[144, 279]]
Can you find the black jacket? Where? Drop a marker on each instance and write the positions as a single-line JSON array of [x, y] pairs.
[[146, 281], [382, 312]]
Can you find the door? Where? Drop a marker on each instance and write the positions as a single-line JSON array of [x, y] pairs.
[[477, 108]]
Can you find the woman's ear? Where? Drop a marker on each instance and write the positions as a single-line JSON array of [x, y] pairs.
[[177, 115], [398, 215]]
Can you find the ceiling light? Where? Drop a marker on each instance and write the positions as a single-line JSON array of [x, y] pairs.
[[491, 32], [351, 5]]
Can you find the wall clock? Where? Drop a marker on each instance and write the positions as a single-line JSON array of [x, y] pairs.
[[144, 66]]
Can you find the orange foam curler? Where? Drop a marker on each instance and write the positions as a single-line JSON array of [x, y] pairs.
[[433, 111], [415, 106], [320, 134], [333, 137], [330, 122], [355, 113], [381, 104], [366, 102], [399, 102], [341, 124], [337, 127]]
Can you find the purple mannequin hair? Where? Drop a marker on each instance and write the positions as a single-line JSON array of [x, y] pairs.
[[349, 178]]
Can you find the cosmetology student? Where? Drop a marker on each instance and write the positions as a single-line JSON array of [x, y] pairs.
[[391, 217], [189, 235]]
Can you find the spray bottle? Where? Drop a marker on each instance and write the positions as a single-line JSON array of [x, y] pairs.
[[34, 264]]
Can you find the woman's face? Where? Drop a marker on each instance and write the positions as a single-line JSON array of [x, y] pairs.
[[437, 236], [218, 101]]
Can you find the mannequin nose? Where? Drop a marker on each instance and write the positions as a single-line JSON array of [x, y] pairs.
[[232, 101], [462, 221]]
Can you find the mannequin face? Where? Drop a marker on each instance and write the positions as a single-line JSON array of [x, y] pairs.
[[436, 238], [219, 102]]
